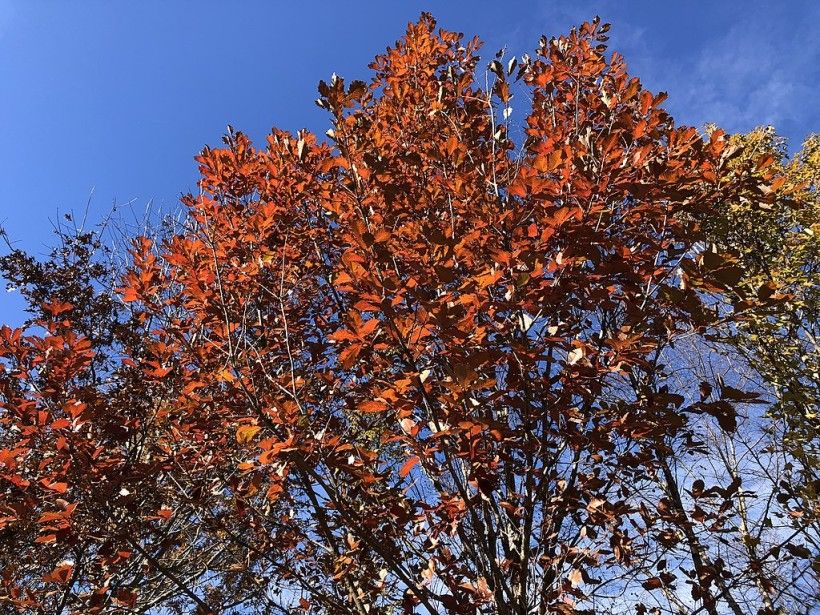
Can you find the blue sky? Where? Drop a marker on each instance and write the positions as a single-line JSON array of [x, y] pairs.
[[111, 100]]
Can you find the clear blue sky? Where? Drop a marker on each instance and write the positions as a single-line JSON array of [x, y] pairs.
[[117, 97]]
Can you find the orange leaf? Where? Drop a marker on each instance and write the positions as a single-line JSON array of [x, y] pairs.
[[764, 161], [54, 486], [408, 465], [368, 328], [129, 295], [61, 574], [226, 375], [161, 372], [373, 406]]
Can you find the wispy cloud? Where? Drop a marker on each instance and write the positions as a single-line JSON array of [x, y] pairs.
[[757, 73], [738, 65], [6, 17], [762, 68]]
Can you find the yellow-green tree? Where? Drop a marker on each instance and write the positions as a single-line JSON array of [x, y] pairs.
[[777, 242]]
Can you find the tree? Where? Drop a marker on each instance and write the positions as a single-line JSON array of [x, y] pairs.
[[779, 248], [413, 368]]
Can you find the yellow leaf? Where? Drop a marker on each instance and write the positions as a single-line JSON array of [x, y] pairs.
[[267, 258], [246, 433]]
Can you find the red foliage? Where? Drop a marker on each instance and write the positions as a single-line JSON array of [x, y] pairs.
[[414, 366]]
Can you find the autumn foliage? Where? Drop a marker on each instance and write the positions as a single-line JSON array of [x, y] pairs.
[[429, 364]]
